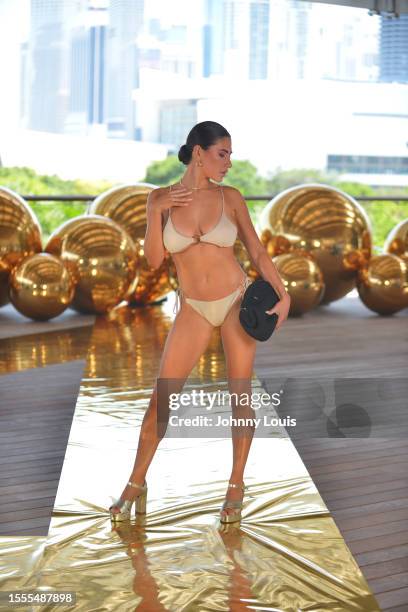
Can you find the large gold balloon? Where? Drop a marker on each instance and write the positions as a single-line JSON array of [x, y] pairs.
[[242, 256], [20, 236], [303, 281], [329, 225], [153, 283], [383, 284], [41, 287], [274, 244], [125, 204], [265, 236], [397, 240], [172, 271], [101, 256]]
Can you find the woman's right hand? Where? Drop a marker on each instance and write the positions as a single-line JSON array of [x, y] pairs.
[[166, 198]]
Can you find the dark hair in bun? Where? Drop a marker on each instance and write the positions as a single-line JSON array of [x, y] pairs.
[[185, 154], [204, 134]]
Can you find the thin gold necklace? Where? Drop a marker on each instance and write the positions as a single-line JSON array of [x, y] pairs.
[[195, 188]]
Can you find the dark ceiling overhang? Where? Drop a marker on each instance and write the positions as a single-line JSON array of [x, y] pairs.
[[392, 8]]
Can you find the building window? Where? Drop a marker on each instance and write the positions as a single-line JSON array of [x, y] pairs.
[[367, 164], [176, 120]]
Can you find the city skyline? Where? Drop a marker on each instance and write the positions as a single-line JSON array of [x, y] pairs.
[[83, 59], [139, 71]]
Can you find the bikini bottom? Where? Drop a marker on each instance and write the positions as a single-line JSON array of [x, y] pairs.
[[214, 311]]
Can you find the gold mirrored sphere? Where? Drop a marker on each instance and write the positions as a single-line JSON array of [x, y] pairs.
[[303, 281], [278, 245], [41, 287], [274, 244], [126, 205], [102, 258], [20, 236], [383, 284], [397, 240], [243, 259], [329, 225], [153, 283]]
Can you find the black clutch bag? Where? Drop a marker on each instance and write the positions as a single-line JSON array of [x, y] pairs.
[[259, 296]]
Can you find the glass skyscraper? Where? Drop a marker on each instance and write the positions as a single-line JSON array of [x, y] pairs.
[[125, 24], [394, 49]]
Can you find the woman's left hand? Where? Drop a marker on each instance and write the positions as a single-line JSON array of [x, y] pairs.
[[281, 309]]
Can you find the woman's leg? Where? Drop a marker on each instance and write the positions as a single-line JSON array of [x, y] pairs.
[[180, 354], [239, 350]]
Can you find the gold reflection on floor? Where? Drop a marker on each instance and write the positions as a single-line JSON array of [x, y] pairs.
[[286, 555], [41, 350]]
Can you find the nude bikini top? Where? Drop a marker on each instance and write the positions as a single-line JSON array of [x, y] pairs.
[[223, 234]]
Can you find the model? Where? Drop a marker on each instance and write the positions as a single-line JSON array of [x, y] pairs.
[[197, 221]]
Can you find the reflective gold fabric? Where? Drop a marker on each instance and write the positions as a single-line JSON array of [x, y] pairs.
[[20, 557], [286, 555]]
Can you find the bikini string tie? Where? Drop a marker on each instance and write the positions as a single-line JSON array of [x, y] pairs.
[[177, 302]]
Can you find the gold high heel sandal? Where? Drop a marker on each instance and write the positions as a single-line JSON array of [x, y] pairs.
[[125, 505], [235, 505]]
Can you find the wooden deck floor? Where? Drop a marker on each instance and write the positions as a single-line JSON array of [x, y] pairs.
[[36, 411], [362, 481]]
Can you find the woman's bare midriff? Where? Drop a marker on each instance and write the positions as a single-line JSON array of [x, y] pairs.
[[207, 272]]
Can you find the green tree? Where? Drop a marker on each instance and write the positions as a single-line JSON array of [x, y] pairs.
[[25, 181], [283, 179], [164, 172], [384, 215], [243, 175]]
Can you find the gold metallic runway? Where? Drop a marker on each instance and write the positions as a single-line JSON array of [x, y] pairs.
[[286, 555]]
